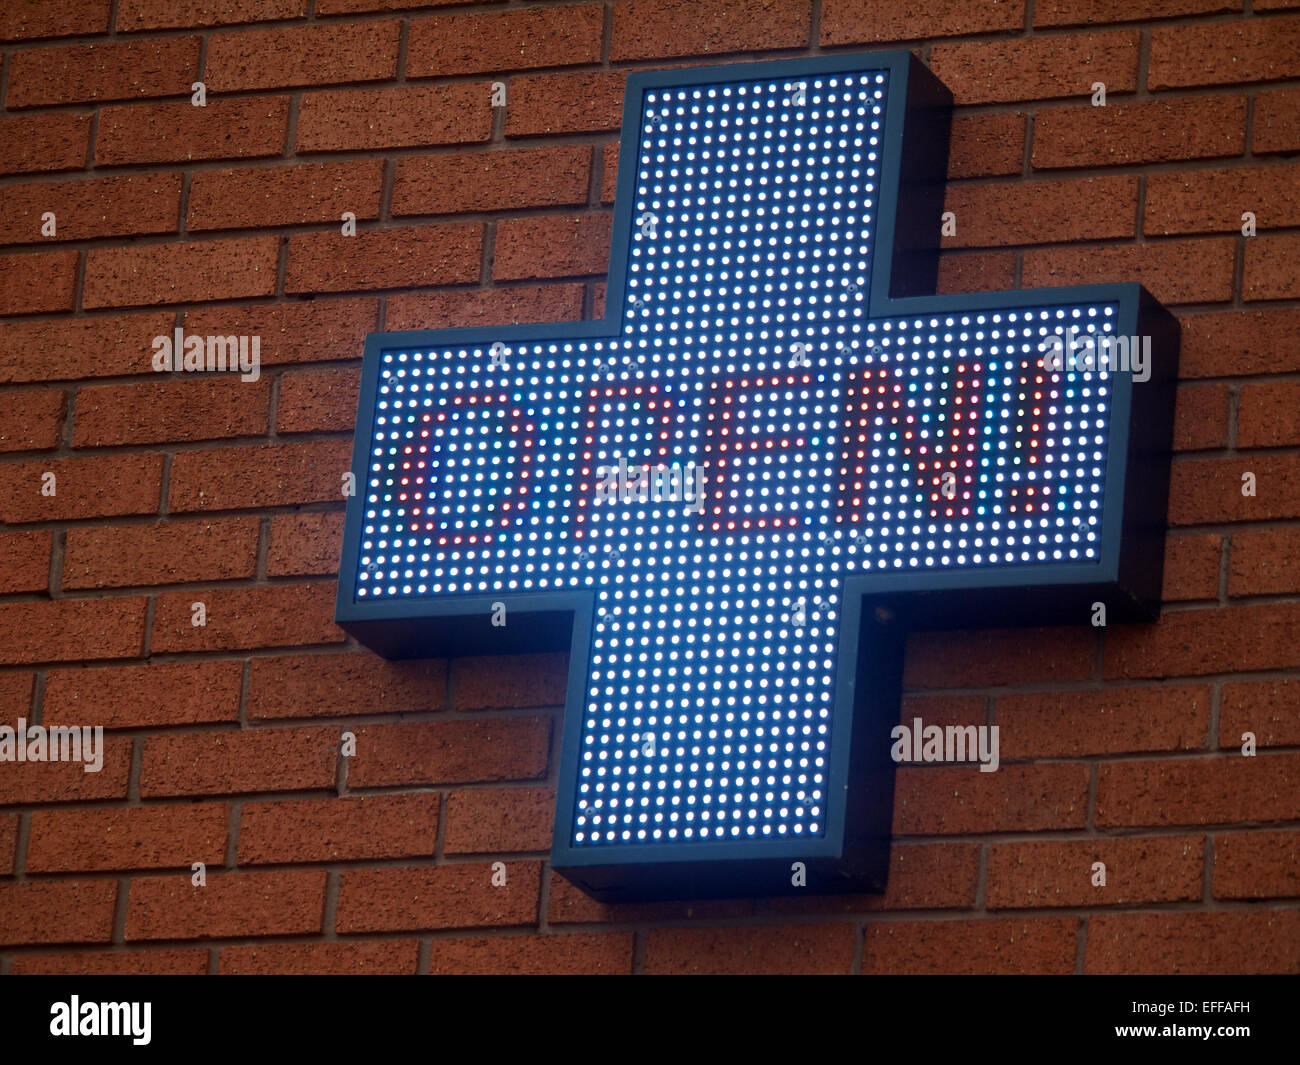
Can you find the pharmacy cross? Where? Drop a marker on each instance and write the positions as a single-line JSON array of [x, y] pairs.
[[730, 498]]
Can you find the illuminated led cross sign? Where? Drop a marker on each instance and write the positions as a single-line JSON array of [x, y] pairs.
[[730, 499]]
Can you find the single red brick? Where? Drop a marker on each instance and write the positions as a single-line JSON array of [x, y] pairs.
[[24, 562], [108, 70], [931, 876], [1192, 642], [180, 132], [429, 753], [338, 830], [570, 905], [1041, 212], [1149, 869], [434, 897], [36, 282], [1276, 126], [1213, 201], [1268, 415], [84, 210], [1071, 724], [274, 475], [307, 331], [8, 843], [1176, 271], [59, 911], [1271, 272], [32, 420], [986, 144], [283, 615], [26, 19], [1014, 945], [846, 22], [557, 955], [1260, 941], [947, 800], [1256, 865], [100, 487], [114, 962], [190, 272], [589, 102], [385, 258], [502, 682], [16, 691], [46, 141], [998, 656], [135, 15], [69, 630], [1148, 131], [801, 950], [305, 545], [317, 401], [1204, 491], [1201, 417], [976, 272], [1239, 343], [1225, 53], [159, 412], [258, 196], [1100, 12], [152, 696], [609, 172], [652, 29], [1037, 68], [499, 820], [232, 904], [230, 762], [492, 181], [27, 783], [1226, 789], [944, 709], [1265, 562], [302, 55], [557, 246], [383, 957], [558, 35], [172, 552], [407, 117], [339, 685], [479, 307], [349, 7], [110, 346], [1192, 566], [142, 837], [1262, 708]]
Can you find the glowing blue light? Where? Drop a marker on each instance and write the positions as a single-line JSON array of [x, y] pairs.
[[921, 443]]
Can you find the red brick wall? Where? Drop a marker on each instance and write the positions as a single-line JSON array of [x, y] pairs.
[[1119, 745]]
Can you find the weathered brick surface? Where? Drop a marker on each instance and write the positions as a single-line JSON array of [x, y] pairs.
[[182, 693], [234, 762], [391, 957], [446, 896], [173, 552], [332, 830], [1038, 945], [231, 904], [334, 685], [66, 841], [1165, 750], [247, 127], [567, 955]]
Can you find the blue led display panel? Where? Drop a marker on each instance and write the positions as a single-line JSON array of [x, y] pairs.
[[730, 499]]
